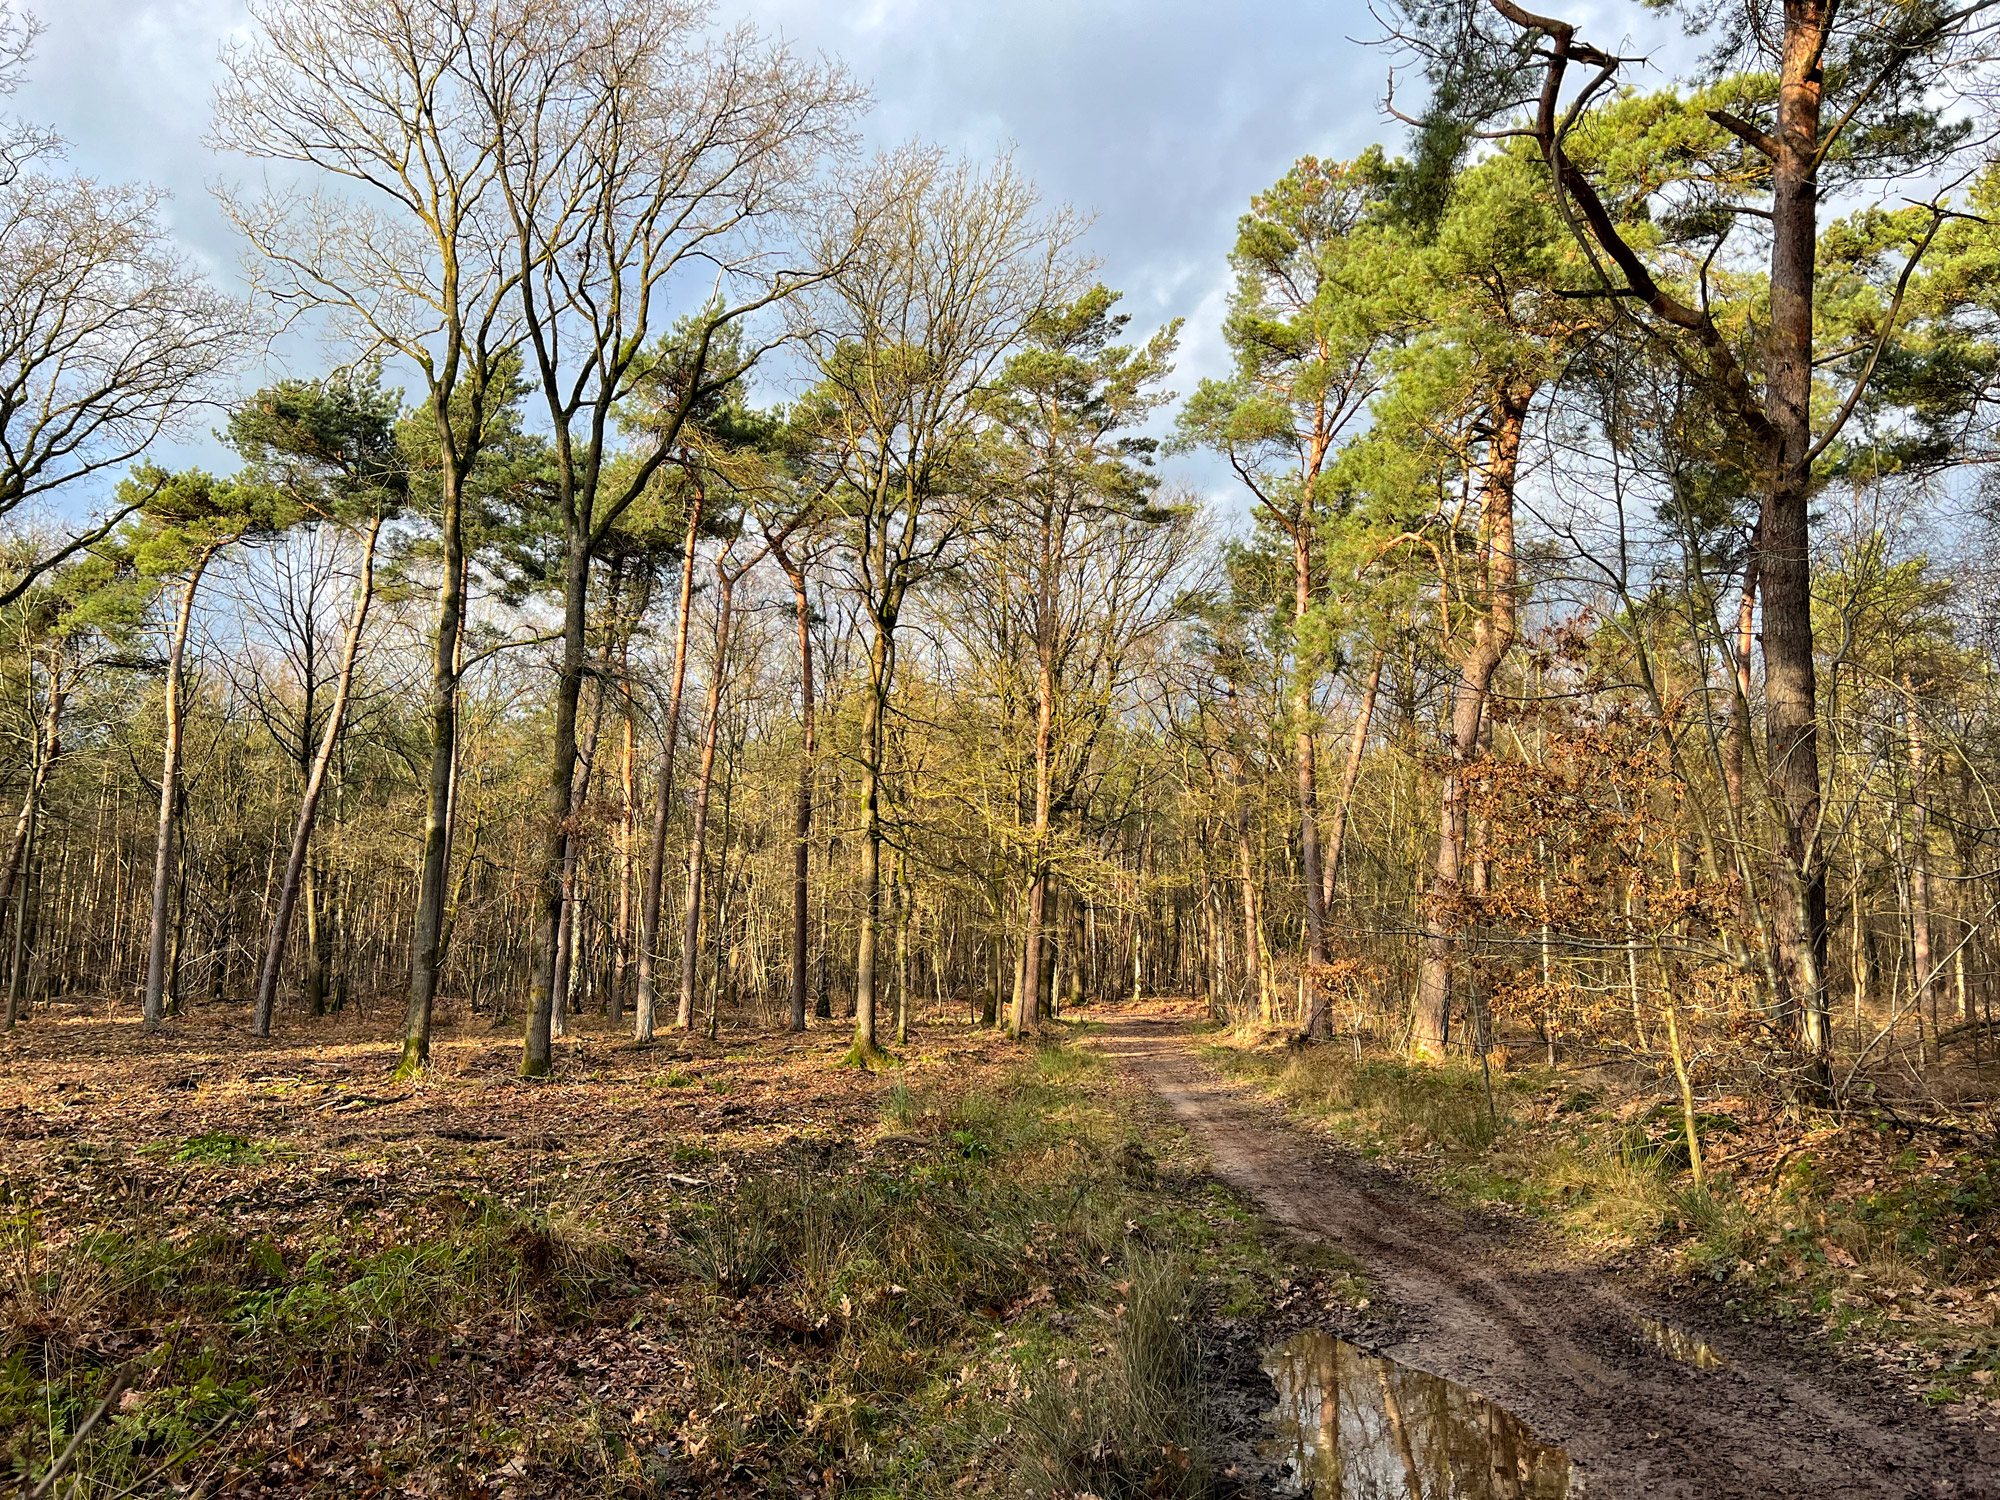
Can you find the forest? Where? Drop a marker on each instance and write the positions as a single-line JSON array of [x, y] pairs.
[[735, 841]]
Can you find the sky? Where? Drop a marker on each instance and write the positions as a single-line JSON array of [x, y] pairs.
[[1157, 117]]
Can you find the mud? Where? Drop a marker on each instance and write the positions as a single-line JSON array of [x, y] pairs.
[[1562, 1345]]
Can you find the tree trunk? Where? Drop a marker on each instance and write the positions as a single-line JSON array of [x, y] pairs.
[[560, 985], [1493, 635], [802, 820], [873, 713], [425, 946], [628, 818], [1255, 972], [1027, 1000], [901, 890], [1791, 727], [315, 976], [1313, 1009], [295, 863], [1350, 775], [1922, 977], [24, 823], [559, 816], [656, 868], [1739, 706], [170, 773], [698, 832], [26, 916]]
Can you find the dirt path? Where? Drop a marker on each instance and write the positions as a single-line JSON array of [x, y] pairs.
[[1556, 1342]]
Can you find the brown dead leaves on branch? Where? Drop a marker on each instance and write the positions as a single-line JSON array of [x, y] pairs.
[[1596, 919]]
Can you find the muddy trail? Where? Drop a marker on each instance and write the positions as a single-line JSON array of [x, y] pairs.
[[1560, 1344]]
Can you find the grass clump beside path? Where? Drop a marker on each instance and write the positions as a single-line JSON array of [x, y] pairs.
[[1882, 1234], [978, 1273]]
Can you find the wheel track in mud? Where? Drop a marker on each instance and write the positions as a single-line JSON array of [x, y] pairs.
[[1557, 1343]]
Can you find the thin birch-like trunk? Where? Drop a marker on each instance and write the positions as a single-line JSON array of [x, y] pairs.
[[155, 1010], [288, 893], [698, 833], [643, 1017]]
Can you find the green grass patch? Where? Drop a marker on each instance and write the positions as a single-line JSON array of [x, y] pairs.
[[217, 1148]]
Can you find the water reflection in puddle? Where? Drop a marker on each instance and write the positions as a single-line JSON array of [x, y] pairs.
[[1356, 1426], [1684, 1347]]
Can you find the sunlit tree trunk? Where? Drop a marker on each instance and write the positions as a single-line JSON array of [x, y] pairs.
[[1492, 635], [802, 816], [1791, 720], [425, 946], [1305, 753], [874, 709]]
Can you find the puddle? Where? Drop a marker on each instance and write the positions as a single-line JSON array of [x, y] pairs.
[[1358, 1426], [1684, 1347]]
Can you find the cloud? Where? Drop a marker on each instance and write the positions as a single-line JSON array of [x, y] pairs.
[[1160, 119]]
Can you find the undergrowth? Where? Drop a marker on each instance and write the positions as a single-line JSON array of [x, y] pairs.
[[1007, 1288]]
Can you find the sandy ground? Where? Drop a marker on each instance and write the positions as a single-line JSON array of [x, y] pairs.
[[1557, 1342]]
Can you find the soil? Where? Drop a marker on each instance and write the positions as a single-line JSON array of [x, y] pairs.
[[1495, 1307]]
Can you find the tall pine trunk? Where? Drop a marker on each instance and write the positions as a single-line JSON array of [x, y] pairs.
[[1492, 636], [1027, 996], [1308, 779], [1791, 724]]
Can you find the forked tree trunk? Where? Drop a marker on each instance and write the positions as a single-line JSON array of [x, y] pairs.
[[1493, 635], [295, 863]]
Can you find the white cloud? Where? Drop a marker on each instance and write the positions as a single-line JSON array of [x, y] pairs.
[[1159, 117]]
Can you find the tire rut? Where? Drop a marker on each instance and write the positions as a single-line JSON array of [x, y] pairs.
[[1557, 1343]]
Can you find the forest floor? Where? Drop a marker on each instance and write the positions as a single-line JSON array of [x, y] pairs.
[[716, 1268], [1554, 1326], [740, 1268]]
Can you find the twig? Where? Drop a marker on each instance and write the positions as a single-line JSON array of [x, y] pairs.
[[124, 1376]]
